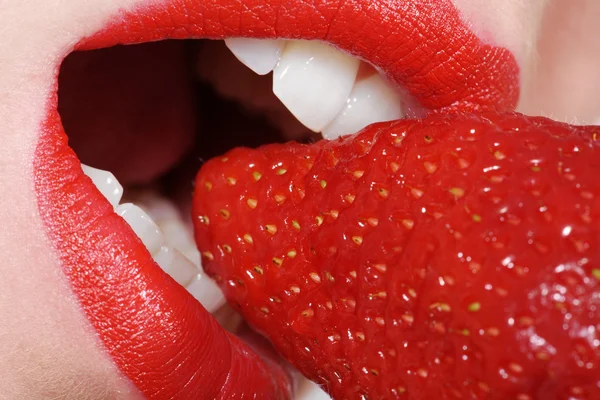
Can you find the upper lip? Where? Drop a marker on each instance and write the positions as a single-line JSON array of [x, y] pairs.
[[443, 66], [142, 316]]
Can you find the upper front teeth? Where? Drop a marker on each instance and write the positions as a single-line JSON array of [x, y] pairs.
[[372, 100], [318, 84], [261, 56], [314, 81]]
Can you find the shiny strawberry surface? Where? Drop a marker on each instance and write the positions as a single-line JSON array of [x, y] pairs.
[[453, 257]]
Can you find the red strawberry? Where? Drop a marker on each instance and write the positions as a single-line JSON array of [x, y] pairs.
[[449, 258]]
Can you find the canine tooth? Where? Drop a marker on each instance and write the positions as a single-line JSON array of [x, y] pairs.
[[176, 265], [106, 183], [372, 100], [142, 225], [206, 292], [260, 55], [313, 80]]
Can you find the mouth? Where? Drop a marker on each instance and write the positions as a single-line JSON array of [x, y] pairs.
[[311, 72]]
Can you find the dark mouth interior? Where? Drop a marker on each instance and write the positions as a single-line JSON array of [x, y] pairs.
[[111, 102], [122, 107]]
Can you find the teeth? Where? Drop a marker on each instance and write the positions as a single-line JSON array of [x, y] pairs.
[[106, 183], [308, 390], [261, 56], [314, 81], [142, 225], [167, 217], [192, 254], [372, 100], [172, 246], [159, 208], [170, 259], [174, 250], [206, 292], [176, 265], [178, 235]]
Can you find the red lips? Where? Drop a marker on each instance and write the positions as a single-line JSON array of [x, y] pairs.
[[421, 44], [157, 334]]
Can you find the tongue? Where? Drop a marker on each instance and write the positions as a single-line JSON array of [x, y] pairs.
[[128, 110]]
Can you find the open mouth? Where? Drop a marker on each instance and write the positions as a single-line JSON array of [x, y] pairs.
[[377, 66], [229, 106]]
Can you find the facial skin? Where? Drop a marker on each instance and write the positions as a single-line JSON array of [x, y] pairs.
[[47, 347]]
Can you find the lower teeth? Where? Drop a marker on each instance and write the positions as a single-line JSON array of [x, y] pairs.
[[160, 227]]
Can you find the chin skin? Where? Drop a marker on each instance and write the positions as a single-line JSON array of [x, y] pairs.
[[44, 333]]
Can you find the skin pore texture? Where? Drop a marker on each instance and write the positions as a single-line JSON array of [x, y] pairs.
[[44, 331]]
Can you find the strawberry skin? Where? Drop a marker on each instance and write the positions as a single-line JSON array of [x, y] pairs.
[[452, 258]]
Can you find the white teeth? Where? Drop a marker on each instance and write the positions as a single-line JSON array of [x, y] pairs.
[[170, 259], [106, 183], [192, 254], [165, 214], [308, 390], [206, 292], [177, 234], [317, 83], [168, 240], [261, 56], [176, 265], [313, 80], [142, 225], [372, 100]]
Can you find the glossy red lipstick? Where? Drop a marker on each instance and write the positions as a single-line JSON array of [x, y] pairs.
[[158, 335]]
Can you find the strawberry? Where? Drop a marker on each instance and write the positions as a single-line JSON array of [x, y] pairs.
[[452, 258]]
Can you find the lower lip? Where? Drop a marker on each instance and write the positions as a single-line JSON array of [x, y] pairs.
[[157, 334]]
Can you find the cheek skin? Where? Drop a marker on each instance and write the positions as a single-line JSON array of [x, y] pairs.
[[555, 44], [566, 80], [512, 24], [43, 333]]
